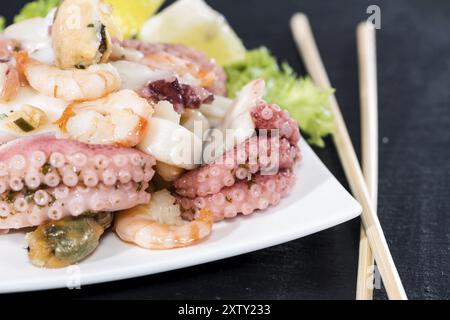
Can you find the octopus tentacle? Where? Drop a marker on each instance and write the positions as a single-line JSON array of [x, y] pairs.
[[30, 170], [242, 197], [49, 178], [270, 116], [248, 181], [244, 161]]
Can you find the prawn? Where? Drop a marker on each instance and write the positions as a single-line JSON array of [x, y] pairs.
[[82, 84], [159, 225], [117, 119]]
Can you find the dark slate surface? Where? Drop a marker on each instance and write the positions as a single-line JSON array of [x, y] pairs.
[[414, 83]]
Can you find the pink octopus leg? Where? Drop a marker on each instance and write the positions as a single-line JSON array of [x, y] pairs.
[[243, 197], [43, 178], [270, 117], [255, 155], [221, 186]]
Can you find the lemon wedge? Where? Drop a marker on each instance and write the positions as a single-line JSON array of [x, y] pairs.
[[195, 24], [131, 14]]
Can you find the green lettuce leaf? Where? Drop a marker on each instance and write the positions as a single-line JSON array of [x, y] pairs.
[[305, 102], [38, 8], [2, 23]]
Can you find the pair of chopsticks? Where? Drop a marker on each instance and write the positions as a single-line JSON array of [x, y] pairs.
[[375, 240]]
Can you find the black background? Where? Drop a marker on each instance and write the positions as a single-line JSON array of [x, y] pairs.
[[414, 83]]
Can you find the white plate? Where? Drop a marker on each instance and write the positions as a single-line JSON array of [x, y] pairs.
[[317, 202]]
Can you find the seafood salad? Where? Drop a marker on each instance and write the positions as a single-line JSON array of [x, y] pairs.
[[102, 132]]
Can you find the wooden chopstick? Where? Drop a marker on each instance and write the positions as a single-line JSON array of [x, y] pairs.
[[366, 44], [308, 49]]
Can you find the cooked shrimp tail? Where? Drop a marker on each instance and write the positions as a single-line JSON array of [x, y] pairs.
[[159, 225], [83, 84], [117, 119]]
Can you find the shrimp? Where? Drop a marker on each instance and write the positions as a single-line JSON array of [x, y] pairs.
[[9, 82], [159, 225], [81, 33], [118, 119], [90, 83]]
